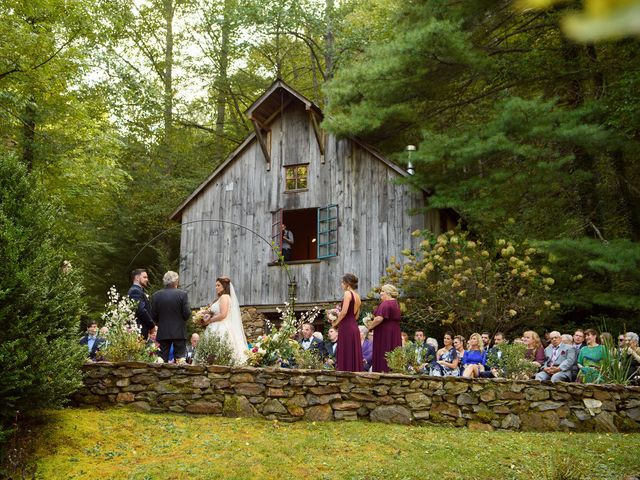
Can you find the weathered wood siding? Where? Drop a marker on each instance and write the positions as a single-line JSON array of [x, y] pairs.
[[374, 223]]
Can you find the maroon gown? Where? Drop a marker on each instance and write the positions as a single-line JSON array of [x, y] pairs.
[[386, 336], [349, 350]]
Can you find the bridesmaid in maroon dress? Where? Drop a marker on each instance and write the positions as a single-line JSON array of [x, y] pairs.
[[386, 322], [349, 350]]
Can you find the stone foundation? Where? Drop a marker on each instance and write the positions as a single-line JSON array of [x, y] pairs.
[[253, 322], [318, 395]]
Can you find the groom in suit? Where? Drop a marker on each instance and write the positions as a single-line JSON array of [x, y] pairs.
[[170, 310], [140, 280], [560, 361]]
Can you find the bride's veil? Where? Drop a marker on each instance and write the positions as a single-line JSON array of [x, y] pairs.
[[235, 328]]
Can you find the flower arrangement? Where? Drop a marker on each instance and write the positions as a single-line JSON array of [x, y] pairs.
[[279, 348], [123, 340]]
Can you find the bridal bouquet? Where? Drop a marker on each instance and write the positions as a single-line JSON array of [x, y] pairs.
[[198, 317]]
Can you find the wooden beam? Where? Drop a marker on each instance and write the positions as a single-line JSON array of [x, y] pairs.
[[261, 140], [318, 132]]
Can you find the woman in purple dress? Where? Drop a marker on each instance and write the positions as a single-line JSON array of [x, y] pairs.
[[386, 322], [348, 350]]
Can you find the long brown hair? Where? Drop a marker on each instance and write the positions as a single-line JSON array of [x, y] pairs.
[[226, 284]]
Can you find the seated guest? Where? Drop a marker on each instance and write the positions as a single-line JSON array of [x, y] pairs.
[[630, 353], [567, 339], [493, 370], [405, 338], [92, 341], [367, 348], [191, 348], [486, 340], [590, 358], [560, 361], [535, 351], [433, 343], [319, 336], [458, 343], [578, 339], [606, 340], [330, 347], [447, 361], [425, 353], [309, 342], [474, 357]]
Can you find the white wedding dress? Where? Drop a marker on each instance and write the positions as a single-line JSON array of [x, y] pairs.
[[232, 326]]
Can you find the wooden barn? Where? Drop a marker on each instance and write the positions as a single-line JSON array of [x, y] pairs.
[[339, 198]]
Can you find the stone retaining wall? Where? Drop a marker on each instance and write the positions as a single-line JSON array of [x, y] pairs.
[[316, 395], [253, 322]]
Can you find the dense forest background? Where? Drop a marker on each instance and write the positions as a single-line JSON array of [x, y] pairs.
[[119, 109]]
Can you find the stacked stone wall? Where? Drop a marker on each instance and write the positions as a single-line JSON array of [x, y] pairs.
[[318, 395]]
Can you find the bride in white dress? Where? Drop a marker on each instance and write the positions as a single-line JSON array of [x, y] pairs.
[[226, 318]]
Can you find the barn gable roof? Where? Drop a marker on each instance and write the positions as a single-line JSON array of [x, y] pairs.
[[262, 112]]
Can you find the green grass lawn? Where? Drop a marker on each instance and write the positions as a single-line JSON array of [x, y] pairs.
[[123, 444]]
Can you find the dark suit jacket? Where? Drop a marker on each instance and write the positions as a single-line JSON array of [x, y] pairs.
[[143, 312], [96, 345], [328, 349], [170, 310], [316, 345]]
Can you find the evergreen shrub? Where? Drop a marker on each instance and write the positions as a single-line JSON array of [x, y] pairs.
[[41, 301]]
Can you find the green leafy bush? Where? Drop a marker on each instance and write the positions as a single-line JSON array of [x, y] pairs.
[[41, 303], [512, 362], [310, 358], [403, 359], [214, 349]]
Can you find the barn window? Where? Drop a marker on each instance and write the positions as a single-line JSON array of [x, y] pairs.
[[328, 231], [296, 177], [315, 232]]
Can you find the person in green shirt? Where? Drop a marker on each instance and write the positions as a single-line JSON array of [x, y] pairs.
[[590, 359]]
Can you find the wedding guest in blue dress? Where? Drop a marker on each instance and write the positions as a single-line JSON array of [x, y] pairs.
[[474, 357], [447, 361], [349, 351]]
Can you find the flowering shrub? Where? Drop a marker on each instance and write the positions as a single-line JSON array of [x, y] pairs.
[[279, 348], [466, 285], [123, 340]]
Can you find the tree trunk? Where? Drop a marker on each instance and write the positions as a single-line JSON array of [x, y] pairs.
[[222, 82], [168, 71], [29, 133], [328, 49]]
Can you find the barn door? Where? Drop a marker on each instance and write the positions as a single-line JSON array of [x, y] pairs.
[[276, 234], [328, 231]]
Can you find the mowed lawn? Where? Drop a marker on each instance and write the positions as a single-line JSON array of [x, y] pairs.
[[122, 444]]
